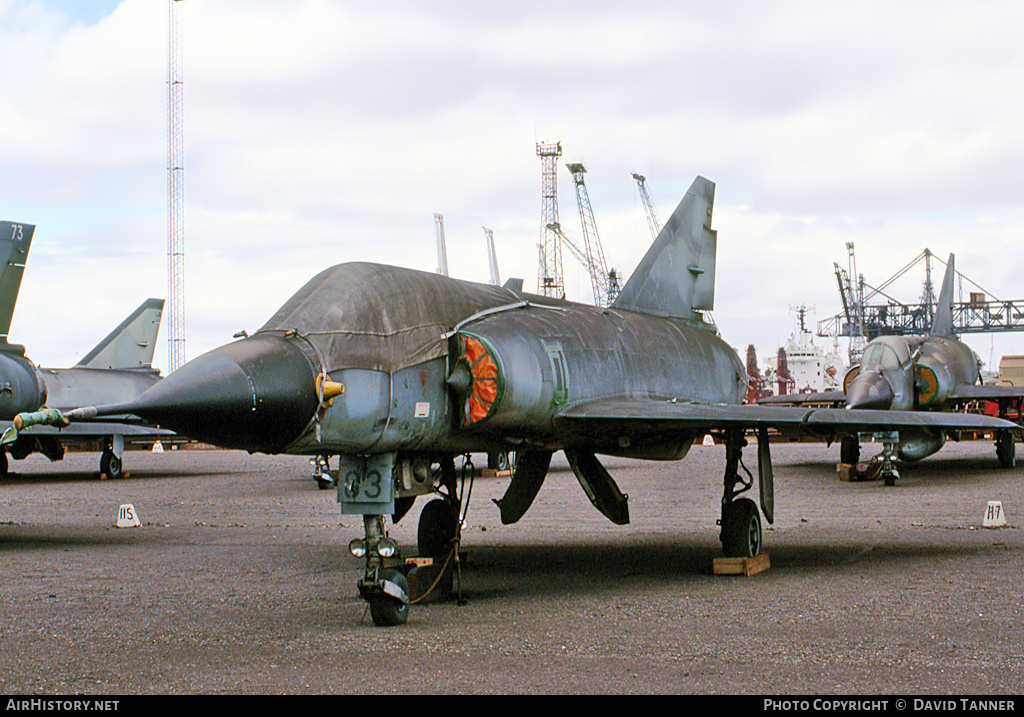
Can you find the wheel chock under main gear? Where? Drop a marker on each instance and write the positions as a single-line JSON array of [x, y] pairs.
[[742, 566], [851, 472], [430, 580]]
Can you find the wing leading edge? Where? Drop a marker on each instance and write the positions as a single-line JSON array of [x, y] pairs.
[[987, 393], [963, 393], [616, 416]]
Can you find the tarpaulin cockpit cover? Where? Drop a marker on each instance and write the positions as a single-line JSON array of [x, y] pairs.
[[372, 316]]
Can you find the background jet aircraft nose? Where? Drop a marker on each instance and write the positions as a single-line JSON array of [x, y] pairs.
[[258, 394], [869, 390]]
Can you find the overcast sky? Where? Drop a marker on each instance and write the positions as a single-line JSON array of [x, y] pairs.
[[318, 132]]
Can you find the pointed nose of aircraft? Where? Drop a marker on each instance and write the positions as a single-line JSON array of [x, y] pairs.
[[869, 390], [257, 394]]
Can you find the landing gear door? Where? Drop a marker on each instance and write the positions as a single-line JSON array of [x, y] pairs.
[[765, 477], [366, 484]]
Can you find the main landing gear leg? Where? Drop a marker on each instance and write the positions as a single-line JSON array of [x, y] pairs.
[[439, 519], [110, 458], [1006, 449], [740, 522]]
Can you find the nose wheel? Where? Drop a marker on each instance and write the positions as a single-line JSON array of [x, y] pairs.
[[389, 604]]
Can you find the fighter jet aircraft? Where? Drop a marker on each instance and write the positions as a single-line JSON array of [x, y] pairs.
[[396, 371], [118, 369], [934, 372]]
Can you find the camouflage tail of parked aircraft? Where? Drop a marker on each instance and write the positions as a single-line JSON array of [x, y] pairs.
[[21, 386], [396, 372], [118, 369]]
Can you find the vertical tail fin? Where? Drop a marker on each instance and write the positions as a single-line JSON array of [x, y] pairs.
[[15, 241], [132, 343], [677, 275], [942, 322]]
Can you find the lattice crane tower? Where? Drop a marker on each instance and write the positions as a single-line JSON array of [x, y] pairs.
[[652, 217], [175, 195], [605, 283], [549, 270]]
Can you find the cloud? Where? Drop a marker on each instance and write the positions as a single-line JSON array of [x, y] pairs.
[[318, 132]]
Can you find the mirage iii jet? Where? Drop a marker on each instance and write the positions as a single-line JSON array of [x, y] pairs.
[[118, 369], [396, 371], [933, 372]]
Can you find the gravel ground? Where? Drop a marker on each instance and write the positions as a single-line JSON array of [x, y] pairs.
[[238, 581]]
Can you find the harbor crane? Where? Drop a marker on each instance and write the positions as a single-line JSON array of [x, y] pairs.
[[853, 306], [862, 321], [604, 282], [652, 217], [550, 281]]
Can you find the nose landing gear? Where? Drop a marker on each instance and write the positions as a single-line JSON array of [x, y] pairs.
[[386, 590]]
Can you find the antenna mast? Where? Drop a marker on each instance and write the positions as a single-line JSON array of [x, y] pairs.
[[175, 195], [442, 250], [492, 257]]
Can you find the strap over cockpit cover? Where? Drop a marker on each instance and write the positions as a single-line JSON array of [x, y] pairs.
[[385, 318]]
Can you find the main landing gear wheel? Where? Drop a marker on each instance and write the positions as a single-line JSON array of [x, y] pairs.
[[1006, 449], [499, 461], [436, 529], [741, 529], [387, 609], [110, 465]]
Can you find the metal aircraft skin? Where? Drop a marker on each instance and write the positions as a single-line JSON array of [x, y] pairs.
[[933, 372], [396, 371], [118, 369]]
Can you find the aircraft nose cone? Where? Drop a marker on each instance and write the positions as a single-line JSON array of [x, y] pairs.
[[257, 394], [869, 390]]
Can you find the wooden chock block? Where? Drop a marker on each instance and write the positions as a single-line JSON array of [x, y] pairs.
[[742, 566], [857, 471], [429, 581]]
